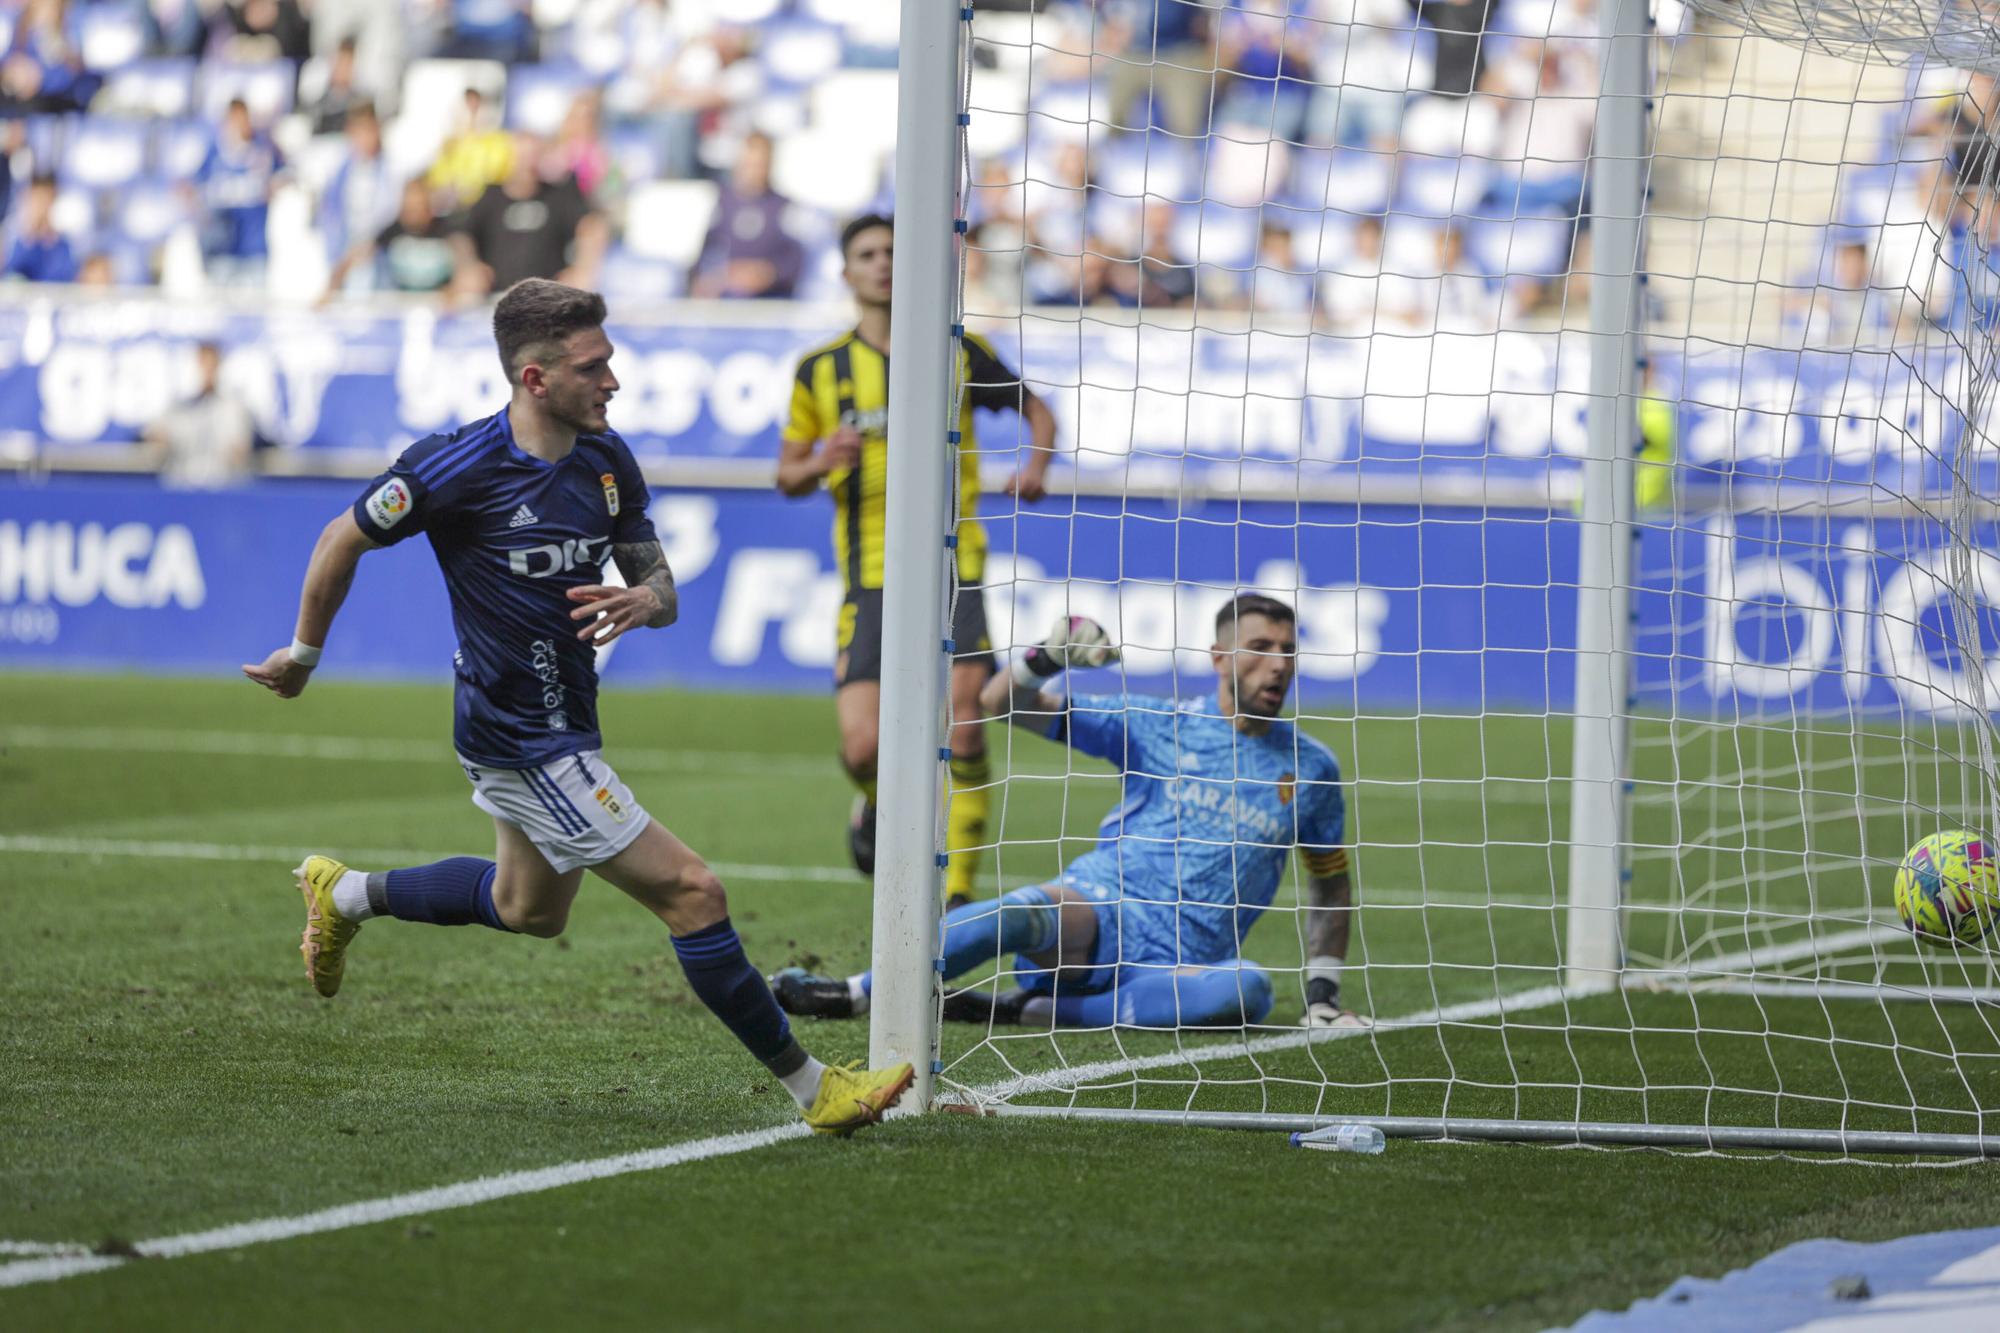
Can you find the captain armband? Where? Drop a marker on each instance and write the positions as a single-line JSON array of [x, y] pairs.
[[1324, 862]]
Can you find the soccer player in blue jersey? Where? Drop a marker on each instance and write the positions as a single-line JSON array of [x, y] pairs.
[[522, 509], [1147, 929]]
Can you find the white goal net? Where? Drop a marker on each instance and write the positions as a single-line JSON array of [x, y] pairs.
[[1610, 395]]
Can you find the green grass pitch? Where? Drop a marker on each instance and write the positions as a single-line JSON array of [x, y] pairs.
[[168, 1070]]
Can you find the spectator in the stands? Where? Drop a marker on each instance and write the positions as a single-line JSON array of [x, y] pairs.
[[36, 251], [1277, 284], [1271, 62], [43, 70], [701, 102], [749, 253], [1548, 111], [342, 92], [502, 30], [1158, 276], [578, 149], [1461, 27], [176, 27], [1350, 292], [416, 251], [234, 183], [1167, 73], [479, 155], [259, 30], [96, 271], [206, 440], [529, 227], [1840, 309], [364, 192]]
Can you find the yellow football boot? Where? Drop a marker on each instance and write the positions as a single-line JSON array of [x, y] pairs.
[[324, 943], [852, 1098]]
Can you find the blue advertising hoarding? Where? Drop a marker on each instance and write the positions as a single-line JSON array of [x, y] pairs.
[[1400, 608]]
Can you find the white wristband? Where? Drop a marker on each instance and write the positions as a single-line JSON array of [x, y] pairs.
[[1324, 968], [304, 654]]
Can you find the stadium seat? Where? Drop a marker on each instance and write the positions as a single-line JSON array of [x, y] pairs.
[[179, 147], [265, 86], [1245, 174], [1059, 113], [104, 153], [866, 24], [1218, 234], [858, 107], [826, 169], [636, 278], [637, 152], [433, 103], [110, 36], [538, 96], [668, 219], [148, 210], [1439, 187], [161, 88], [798, 54], [1360, 182]]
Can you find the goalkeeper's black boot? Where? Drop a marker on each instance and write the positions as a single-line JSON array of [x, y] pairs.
[[976, 1006], [801, 993], [861, 835]]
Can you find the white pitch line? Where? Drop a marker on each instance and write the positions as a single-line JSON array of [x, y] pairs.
[[636, 759], [55, 1267], [40, 1247], [30, 844], [390, 750]]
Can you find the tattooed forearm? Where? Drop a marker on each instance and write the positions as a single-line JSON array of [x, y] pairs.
[[645, 566]]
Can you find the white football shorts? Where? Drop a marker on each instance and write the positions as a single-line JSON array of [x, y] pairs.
[[575, 810]]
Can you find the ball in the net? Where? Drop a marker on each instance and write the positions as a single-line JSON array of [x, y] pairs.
[[1948, 889]]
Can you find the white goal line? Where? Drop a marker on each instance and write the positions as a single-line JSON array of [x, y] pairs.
[[59, 1261]]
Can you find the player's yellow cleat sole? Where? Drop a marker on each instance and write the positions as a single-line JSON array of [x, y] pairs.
[[852, 1098], [327, 932]]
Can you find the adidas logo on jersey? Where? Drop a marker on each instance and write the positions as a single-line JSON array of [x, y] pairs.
[[522, 518]]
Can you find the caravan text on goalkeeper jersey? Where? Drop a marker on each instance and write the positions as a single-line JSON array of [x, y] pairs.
[[1197, 847]]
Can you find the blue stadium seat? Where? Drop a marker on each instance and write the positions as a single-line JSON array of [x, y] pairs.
[[1359, 182], [538, 96], [638, 152], [1522, 247], [149, 209], [1439, 187], [637, 278], [105, 153], [797, 53], [1217, 234], [163, 88], [111, 36], [179, 147], [266, 86]]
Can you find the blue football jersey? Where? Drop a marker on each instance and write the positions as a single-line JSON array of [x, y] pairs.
[[513, 535], [1196, 849]]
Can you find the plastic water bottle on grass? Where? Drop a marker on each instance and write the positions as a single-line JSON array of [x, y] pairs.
[[1342, 1138]]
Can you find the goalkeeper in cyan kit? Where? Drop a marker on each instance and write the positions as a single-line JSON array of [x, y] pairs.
[[1147, 929]]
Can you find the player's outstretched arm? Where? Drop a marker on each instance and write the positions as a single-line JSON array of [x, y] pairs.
[[1330, 919], [650, 600], [1017, 694], [329, 574]]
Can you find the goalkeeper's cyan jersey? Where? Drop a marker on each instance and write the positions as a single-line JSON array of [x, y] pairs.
[[1197, 848], [849, 378], [513, 535]]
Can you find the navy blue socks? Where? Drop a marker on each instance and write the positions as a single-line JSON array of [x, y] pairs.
[[713, 959], [456, 892]]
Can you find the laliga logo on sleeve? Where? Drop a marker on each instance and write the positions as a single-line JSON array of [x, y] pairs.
[[390, 503], [610, 492]]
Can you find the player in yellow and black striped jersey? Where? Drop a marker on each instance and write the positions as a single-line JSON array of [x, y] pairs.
[[837, 437]]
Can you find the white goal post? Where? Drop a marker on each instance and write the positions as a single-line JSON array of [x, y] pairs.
[[1650, 628]]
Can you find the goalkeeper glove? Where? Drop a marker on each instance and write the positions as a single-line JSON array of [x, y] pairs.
[[1075, 641], [1323, 1007]]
